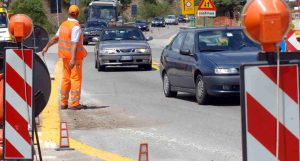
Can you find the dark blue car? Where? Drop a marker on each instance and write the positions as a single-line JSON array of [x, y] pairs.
[[206, 62]]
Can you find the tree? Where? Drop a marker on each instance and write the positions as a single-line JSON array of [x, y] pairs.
[[34, 9], [148, 10], [150, 1]]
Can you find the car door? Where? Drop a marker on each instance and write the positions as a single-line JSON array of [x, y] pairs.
[[185, 70], [172, 59]]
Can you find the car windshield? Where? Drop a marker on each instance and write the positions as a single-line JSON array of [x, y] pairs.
[[96, 24], [140, 21], [122, 34], [3, 20], [223, 40], [171, 16], [157, 19], [102, 12]]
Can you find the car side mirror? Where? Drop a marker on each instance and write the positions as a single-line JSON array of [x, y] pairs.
[[185, 52], [95, 39], [149, 38]]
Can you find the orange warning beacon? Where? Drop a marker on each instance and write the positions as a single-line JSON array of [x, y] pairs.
[[266, 22], [20, 27]]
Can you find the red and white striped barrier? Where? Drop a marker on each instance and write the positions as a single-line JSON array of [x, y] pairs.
[[259, 115], [18, 104], [291, 41]]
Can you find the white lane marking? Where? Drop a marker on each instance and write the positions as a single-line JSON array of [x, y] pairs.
[[163, 138], [49, 157]]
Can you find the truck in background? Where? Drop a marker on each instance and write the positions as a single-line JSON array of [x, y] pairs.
[[106, 10]]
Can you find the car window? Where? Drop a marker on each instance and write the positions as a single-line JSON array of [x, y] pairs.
[[122, 34], [140, 21], [96, 24], [178, 42], [189, 42], [3, 20], [217, 40]]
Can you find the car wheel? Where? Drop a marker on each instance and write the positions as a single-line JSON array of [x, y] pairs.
[[167, 87], [147, 67], [101, 67], [201, 91], [96, 63]]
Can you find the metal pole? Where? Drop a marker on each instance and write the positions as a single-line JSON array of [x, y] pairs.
[[57, 16]]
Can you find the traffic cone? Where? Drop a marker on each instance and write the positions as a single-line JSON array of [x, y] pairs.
[[64, 137], [143, 155]]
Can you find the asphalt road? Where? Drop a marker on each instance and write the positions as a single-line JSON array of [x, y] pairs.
[[127, 107]]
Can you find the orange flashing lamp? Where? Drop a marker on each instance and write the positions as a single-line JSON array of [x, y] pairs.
[[266, 22], [20, 27]]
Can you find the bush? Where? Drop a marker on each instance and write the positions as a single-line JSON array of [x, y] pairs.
[[34, 9], [148, 10]]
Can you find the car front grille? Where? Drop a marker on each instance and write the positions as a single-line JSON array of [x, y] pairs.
[[125, 50], [94, 33]]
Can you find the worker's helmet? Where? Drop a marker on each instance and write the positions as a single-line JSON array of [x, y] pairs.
[[74, 10]]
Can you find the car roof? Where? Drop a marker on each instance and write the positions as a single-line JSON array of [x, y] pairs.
[[210, 28], [120, 27]]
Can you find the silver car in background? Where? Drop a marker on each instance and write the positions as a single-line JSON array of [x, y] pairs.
[[122, 46], [171, 20]]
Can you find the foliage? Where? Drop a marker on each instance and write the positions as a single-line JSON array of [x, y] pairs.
[[150, 1], [66, 2], [34, 9], [125, 2], [85, 2], [148, 10]]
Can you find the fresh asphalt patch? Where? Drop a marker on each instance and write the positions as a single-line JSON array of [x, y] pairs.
[[101, 117]]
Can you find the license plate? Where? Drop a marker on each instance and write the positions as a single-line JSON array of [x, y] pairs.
[[126, 58]]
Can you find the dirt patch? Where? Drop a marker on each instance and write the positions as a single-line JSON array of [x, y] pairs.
[[103, 117]]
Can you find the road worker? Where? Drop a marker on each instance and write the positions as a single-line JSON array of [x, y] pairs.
[[70, 49]]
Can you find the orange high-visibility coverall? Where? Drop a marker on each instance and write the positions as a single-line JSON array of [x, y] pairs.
[[72, 78]]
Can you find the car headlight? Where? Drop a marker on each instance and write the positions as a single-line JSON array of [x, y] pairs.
[[108, 51], [143, 50], [87, 33], [226, 71]]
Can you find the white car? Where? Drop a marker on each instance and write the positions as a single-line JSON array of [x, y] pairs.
[[171, 20]]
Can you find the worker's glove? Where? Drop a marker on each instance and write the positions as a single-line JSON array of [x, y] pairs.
[[72, 63], [44, 51]]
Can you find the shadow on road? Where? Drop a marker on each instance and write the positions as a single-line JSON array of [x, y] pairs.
[[214, 101], [127, 69], [94, 107]]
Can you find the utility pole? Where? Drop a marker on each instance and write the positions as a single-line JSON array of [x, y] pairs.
[[57, 16]]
